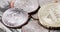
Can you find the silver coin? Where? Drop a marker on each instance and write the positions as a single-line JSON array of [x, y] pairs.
[[14, 17], [33, 26], [4, 5], [27, 5]]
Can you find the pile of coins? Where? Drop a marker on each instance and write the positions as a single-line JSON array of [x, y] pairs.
[[29, 15]]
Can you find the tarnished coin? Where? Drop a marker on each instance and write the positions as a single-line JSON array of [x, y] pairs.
[[49, 15], [14, 17]]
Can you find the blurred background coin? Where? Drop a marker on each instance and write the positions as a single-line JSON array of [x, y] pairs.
[[4, 5], [27, 5], [33, 26]]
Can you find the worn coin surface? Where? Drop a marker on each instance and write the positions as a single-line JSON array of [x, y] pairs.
[[27, 5], [49, 15], [14, 17]]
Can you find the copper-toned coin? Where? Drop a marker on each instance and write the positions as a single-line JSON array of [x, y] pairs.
[[14, 17]]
